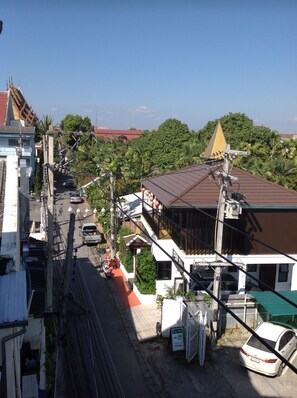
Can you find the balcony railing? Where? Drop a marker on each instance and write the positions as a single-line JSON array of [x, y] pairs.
[[5, 151]]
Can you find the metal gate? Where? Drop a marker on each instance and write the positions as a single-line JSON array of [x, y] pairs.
[[195, 326], [192, 336]]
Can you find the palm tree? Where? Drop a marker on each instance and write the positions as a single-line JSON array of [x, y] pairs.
[[43, 126]]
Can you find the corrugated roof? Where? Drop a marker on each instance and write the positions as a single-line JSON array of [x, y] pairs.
[[13, 300], [275, 305], [193, 186]]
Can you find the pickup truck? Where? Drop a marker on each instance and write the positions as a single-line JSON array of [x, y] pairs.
[[90, 234]]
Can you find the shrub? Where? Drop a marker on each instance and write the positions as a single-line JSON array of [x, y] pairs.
[[127, 261], [145, 278], [124, 252]]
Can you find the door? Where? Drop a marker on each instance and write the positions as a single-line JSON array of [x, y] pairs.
[[267, 275]]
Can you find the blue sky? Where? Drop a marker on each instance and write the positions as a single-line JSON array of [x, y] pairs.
[[137, 63]]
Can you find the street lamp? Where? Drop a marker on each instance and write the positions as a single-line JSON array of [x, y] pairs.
[[86, 212], [70, 209], [77, 213], [95, 212], [103, 211]]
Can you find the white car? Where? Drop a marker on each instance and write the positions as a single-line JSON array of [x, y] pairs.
[[256, 356], [75, 198]]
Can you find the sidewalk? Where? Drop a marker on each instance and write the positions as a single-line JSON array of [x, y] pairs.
[[143, 317]]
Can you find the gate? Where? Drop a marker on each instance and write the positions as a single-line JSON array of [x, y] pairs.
[[192, 335]]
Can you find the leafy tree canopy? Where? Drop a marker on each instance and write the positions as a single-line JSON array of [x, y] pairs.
[[76, 123]]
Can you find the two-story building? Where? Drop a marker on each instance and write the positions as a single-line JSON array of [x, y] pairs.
[[260, 239]]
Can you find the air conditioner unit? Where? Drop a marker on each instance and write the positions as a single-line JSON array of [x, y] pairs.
[[232, 209]]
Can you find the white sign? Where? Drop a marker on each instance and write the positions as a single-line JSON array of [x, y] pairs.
[[177, 339]]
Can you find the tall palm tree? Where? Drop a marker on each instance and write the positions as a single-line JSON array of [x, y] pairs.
[[43, 126]]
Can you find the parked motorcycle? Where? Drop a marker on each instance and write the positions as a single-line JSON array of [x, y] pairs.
[[107, 269]]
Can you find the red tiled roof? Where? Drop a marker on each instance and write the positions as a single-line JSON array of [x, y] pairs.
[[107, 134], [3, 107]]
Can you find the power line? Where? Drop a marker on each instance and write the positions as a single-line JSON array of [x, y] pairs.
[[232, 263], [226, 224], [210, 293], [206, 244]]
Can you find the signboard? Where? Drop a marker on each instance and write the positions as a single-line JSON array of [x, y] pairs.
[[177, 338]]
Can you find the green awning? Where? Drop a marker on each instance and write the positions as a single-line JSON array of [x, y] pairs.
[[275, 305]]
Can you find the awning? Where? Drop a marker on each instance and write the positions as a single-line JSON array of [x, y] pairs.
[[275, 305]]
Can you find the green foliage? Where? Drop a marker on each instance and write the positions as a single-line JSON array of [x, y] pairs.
[[190, 296], [125, 253], [128, 260], [73, 123], [43, 126], [145, 278]]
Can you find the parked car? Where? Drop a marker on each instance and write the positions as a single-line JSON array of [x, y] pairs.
[[254, 355], [90, 234], [75, 198], [69, 183]]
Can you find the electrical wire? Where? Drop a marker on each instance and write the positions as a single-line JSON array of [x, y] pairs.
[[284, 360], [193, 277], [227, 225], [232, 263]]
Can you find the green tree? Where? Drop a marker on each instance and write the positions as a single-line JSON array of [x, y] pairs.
[[145, 278], [72, 123]]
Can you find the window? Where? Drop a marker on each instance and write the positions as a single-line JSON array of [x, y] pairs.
[[285, 339], [251, 268], [13, 142], [163, 270], [283, 270]]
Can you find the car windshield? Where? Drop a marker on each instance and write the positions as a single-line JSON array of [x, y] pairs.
[[255, 343]]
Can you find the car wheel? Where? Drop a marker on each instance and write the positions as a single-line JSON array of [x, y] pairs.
[[280, 369]]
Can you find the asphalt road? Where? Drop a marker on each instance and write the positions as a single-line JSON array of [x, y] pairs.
[[99, 358], [102, 360]]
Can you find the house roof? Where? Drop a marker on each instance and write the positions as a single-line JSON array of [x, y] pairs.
[[136, 239], [21, 108], [3, 107], [197, 186], [107, 134], [16, 130]]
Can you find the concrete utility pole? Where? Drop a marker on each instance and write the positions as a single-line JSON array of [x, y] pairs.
[[113, 238], [48, 145], [225, 180], [68, 261]]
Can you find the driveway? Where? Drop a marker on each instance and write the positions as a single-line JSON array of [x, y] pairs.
[[221, 376]]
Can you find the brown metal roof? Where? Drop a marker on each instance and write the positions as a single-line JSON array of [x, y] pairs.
[[193, 186]]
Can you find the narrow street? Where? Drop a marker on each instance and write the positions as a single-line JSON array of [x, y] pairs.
[[99, 358]]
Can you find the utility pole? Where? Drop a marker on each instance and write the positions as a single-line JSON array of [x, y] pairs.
[[48, 145], [68, 262], [225, 180], [113, 237]]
